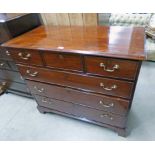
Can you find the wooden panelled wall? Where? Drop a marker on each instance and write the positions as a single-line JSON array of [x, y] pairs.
[[70, 18]]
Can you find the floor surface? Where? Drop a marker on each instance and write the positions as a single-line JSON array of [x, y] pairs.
[[20, 119]]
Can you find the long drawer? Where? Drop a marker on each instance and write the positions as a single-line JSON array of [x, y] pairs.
[[110, 67], [11, 76], [100, 102], [81, 111], [4, 54], [4, 64], [80, 81], [10, 65], [13, 65], [11, 85], [18, 87]]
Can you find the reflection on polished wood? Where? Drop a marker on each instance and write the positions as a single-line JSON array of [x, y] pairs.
[[115, 41]]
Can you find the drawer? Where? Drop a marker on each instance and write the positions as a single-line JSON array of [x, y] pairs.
[[4, 65], [11, 76], [63, 61], [13, 65], [11, 85], [80, 81], [116, 68], [5, 54], [100, 102], [30, 57], [82, 112], [18, 87]]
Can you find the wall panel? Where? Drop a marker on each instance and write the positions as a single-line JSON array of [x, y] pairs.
[[69, 18], [63, 19], [90, 19], [49, 18], [76, 18]]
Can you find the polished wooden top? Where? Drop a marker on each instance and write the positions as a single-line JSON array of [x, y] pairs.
[[113, 41]]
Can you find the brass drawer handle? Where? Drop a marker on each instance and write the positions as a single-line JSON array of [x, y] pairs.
[[4, 83], [106, 116], [45, 100], [7, 53], [110, 105], [2, 87], [32, 74], [24, 57], [2, 64], [115, 67], [106, 88], [40, 90]]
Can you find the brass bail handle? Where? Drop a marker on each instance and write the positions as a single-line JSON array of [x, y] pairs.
[[106, 116], [32, 74], [2, 64], [24, 56], [45, 100], [106, 105], [115, 67], [2, 87], [39, 89], [108, 88]]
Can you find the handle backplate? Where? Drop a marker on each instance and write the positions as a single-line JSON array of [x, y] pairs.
[[32, 74], [115, 67], [40, 90], [106, 105], [106, 116], [108, 88], [24, 56]]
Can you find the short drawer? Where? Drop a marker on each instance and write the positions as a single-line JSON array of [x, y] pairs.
[[80, 81], [100, 102], [116, 68], [63, 61], [30, 57], [4, 65], [82, 112]]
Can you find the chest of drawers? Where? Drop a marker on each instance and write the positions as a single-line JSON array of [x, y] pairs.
[[10, 27], [87, 73]]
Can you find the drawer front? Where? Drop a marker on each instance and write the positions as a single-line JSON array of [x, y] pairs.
[[26, 56], [11, 76], [4, 65], [100, 102], [80, 81], [13, 65], [109, 67], [63, 61], [18, 87], [11, 85], [5, 54], [82, 112]]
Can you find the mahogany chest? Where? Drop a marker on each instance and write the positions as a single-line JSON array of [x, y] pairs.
[[87, 73], [10, 27]]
